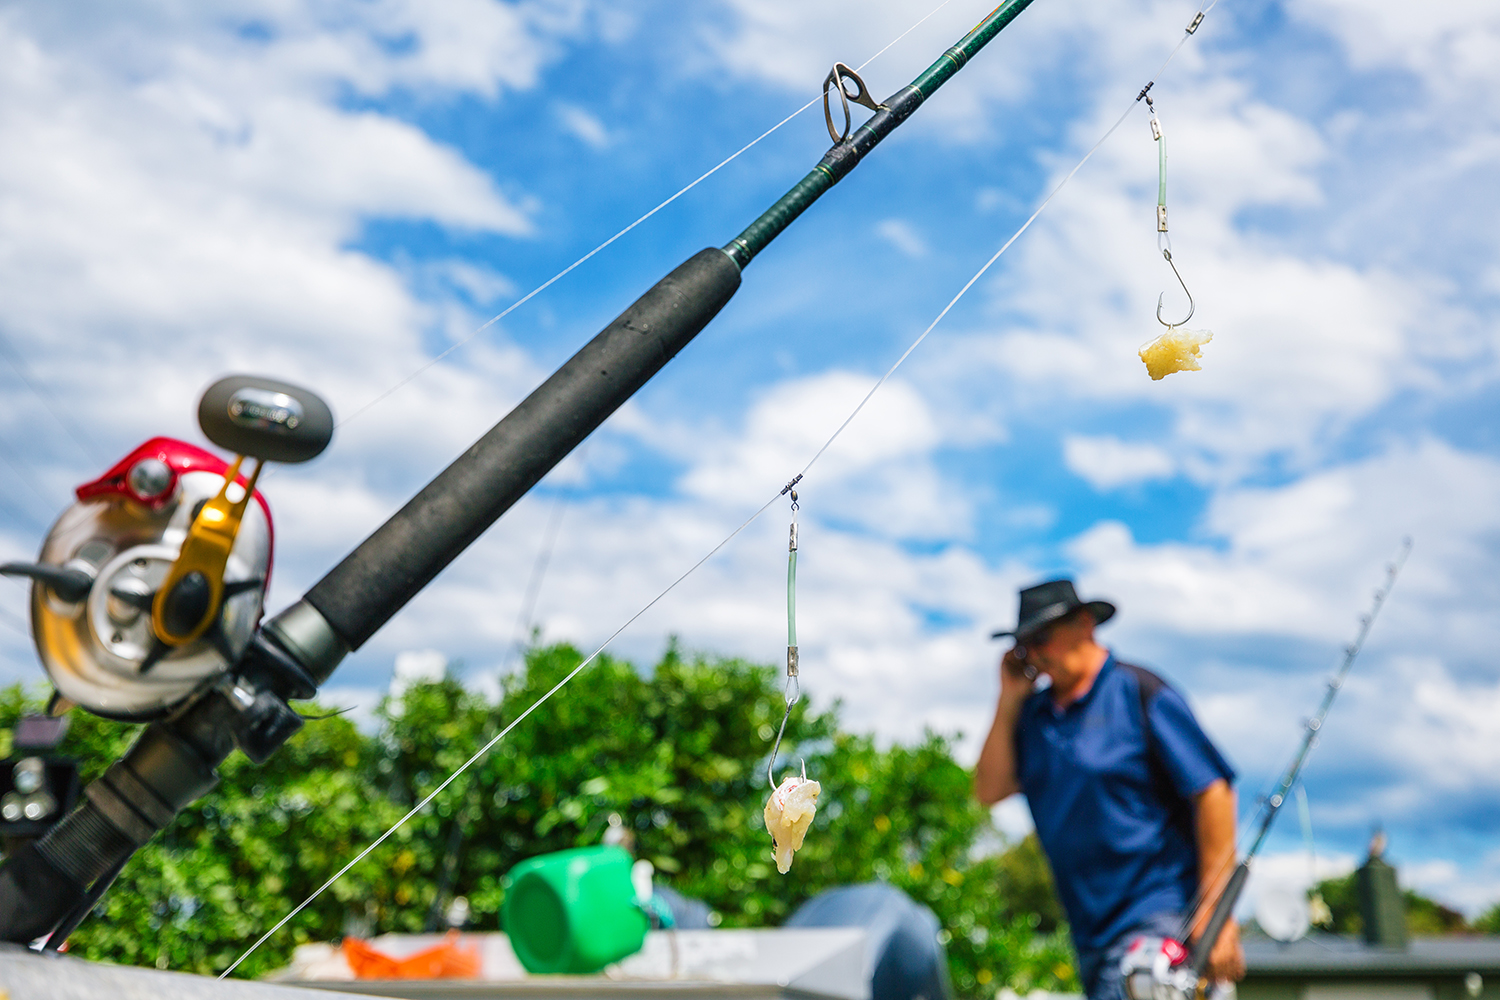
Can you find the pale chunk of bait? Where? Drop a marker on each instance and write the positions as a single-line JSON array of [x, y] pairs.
[[789, 813], [1177, 350]]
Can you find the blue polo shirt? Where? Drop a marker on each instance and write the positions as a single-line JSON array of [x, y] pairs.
[[1116, 856]]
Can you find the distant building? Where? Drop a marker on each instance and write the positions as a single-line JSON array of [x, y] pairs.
[[1385, 964], [1331, 967]]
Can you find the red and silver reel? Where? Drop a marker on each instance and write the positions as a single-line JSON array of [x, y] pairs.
[[152, 585], [1154, 969], [102, 564]]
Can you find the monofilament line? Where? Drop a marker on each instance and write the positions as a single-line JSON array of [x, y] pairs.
[[712, 552], [497, 738], [565, 271], [511, 308], [49, 399], [16, 622], [534, 585], [987, 265]]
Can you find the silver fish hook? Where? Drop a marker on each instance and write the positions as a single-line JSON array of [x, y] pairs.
[[1168, 255], [792, 685]]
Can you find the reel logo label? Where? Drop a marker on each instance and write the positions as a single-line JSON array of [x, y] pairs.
[[263, 409]]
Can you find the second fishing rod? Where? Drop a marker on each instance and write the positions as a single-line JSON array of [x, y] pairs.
[[174, 762], [1157, 969]]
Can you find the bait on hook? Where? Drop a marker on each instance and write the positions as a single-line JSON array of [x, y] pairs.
[[793, 804], [1178, 349]]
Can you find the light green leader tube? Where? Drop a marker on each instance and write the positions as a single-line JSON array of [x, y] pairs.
[[791, 601], [1161, 187], [1161, 175]]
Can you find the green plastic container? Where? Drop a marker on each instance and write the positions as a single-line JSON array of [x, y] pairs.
[[573, 911]]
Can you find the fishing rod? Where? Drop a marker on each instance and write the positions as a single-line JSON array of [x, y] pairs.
[[1163, 969], [223, 686]]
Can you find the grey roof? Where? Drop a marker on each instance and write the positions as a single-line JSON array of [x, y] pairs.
[[1321, 954]]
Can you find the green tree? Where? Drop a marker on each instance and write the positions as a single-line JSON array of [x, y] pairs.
[[1488, 922], [678, 753], [1424, 917]]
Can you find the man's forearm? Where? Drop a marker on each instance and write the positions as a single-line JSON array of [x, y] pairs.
[[1214, 818], [995, 774]]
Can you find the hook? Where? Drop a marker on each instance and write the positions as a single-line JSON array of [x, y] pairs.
[[1168, 255], [792, 684]]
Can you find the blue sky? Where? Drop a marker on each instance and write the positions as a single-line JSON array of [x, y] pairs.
[[334, 192]]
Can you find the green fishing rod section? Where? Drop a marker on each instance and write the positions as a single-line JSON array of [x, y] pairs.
[[344, 609], [845, 155]]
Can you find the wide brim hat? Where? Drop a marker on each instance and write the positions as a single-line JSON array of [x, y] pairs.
[[1050, 602]]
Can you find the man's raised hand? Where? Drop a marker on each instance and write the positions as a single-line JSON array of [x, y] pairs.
[[1017, 678]]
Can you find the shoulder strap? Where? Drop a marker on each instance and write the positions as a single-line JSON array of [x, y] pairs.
[[1179, 808]]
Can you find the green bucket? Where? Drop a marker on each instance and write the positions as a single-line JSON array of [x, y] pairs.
[[573, 911]]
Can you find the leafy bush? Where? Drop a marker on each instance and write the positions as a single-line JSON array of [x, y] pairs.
[[679, 754]]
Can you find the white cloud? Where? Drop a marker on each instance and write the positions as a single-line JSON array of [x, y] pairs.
[[183, 203], [1107, 462], [482, 285], [793, 45], [1455, 41], [1296, 558], [900, 234], [878, 472], [586, 127]]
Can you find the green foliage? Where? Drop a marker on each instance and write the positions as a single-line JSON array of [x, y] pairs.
[[1424, 917], [679, 755], [1488, 922]]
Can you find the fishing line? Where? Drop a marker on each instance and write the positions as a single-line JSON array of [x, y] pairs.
[[22, 518], [79, 436], [1017, 235], [497, 738], [534, 586], [743, 525], [12, 619], [16, 622], [24, 473], [560, 274]]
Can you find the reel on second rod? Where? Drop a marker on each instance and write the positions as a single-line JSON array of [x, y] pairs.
[[153, 583]]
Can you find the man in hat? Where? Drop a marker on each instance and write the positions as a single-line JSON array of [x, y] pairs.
[[1133, 804]]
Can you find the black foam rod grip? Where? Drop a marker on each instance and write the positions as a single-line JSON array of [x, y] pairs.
[[388, 569]]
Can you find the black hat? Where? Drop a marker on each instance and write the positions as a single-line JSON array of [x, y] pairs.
[[1052, 601]]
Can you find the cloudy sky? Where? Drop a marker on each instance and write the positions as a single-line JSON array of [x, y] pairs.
[[333, 192]]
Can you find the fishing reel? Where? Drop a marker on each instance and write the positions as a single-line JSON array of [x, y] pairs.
[[151, 586], [1155, 968]]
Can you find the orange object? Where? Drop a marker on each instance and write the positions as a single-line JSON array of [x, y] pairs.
[[446, 960]]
